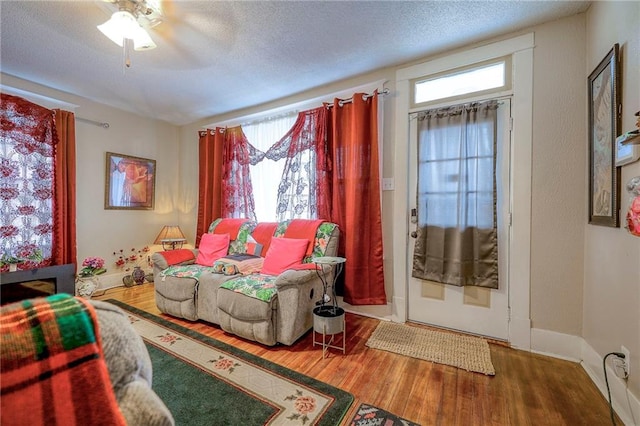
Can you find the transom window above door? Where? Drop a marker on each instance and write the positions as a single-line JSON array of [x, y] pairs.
[[487, 77]]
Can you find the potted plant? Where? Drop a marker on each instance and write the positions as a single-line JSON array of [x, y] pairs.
[[11, 260], [87, 281], [14, 258]]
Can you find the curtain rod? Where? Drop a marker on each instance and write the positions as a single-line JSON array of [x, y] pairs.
[[104, 125], [384, 91], [453, 104]]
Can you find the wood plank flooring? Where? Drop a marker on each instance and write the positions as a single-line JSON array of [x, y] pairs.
[[528, 389]]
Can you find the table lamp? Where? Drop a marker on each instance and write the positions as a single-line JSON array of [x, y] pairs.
[[170, 236]]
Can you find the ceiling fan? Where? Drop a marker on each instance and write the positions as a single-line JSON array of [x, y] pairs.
[[181, 28], [126, 27]]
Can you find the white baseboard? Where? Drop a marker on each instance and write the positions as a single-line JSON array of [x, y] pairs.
[[557, 345], [575, 348], [520, 333], [398, 310], [109, 281], [625, 403], [381, 312]]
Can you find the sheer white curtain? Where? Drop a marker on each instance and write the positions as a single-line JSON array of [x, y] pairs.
[[456, 239], [267, 174]]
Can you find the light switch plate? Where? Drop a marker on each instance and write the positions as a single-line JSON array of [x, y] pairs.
[[387, 184]]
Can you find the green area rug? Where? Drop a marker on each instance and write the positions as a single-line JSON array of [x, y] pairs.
[[205, 381]]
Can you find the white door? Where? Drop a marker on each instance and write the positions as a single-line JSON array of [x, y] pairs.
[[474, 310]]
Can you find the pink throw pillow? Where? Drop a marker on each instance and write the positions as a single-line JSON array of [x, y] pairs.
[[283, 253], [212, 247]]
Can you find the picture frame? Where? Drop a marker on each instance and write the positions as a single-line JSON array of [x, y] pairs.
[[129, 182], [604, 122]]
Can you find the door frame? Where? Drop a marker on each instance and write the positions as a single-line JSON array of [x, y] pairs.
[[450, 311], [521, 50]]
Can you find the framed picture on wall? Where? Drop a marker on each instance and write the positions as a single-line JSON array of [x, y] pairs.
[[129, 182], [604, 176]]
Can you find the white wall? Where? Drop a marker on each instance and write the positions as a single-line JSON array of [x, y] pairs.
[[188, 195], [100, 232], [585, 279], [611, 315], [558, 176]]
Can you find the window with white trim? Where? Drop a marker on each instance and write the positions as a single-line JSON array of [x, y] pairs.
[[486, 77]]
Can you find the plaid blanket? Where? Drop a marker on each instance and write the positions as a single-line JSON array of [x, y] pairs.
[[52, 369]]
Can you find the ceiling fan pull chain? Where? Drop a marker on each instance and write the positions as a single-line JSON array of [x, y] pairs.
[[126, 49]]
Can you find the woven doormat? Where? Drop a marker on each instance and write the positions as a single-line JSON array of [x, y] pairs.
[[465, 352]]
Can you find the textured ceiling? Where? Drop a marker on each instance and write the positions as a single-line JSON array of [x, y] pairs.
[[218, 56]]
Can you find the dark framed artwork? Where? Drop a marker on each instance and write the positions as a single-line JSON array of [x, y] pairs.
[[604, 177], [129, 182]]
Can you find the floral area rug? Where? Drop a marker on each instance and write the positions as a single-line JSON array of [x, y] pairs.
[[205, 381], [368, 415]]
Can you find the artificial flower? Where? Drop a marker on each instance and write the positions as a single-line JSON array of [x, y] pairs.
[[92, 266], [136, 258]]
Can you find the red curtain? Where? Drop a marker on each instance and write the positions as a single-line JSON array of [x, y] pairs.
[[237, 191], [210, 179], [356, 197], [64, 208], [304, 192]]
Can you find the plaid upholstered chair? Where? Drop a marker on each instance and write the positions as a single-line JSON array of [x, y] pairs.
[[65, 360]]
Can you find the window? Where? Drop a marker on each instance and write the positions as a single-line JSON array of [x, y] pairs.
[[479, 79], [456, 167], [27, 179], [266, 175], [262, 130]]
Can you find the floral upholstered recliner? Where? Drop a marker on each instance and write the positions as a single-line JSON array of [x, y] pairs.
[[265, 286]]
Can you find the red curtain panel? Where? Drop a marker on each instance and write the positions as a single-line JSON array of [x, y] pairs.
[[211, 144], [356, 197], [64, 211]]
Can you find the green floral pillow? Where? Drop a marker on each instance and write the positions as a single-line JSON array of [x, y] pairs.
[[237, 246], [323, 236]]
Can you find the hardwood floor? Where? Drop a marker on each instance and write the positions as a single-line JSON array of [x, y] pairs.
[[528, 389]]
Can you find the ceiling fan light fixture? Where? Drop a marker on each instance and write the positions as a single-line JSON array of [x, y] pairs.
[[142, 40], [122, 25]]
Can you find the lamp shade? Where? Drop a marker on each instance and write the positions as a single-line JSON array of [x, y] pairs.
[[142, 40], [170, 235], [123, 25]]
